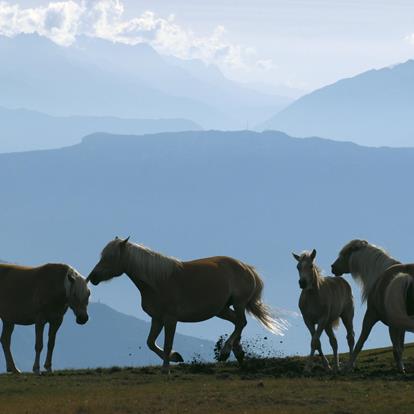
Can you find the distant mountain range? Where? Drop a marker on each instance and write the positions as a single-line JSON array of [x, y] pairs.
[[110, 338], [24, 130], [95, 77], [374, 108], [254, 196]]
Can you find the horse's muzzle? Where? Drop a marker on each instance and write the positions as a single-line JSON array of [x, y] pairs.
[[335, 271], [82, 319]]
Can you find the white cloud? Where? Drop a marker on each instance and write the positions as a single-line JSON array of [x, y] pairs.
[[63, 21], [410, 38]]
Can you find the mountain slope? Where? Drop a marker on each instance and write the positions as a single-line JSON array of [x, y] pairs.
[[256, 197], [95, 77], [110, 338], [24, 130], [374, 108]]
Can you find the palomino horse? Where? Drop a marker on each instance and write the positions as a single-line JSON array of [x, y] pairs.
[[322, 302], [388, 287], [174, 291], [39, 295]]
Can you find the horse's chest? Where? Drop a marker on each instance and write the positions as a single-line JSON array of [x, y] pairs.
[[310, 307]]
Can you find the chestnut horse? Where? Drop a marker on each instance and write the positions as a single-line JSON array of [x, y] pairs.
[[388, 288], [322, 302], [174, 291], [39, 295]]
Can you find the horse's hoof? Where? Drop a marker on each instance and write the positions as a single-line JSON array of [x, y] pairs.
[[165, 370], [14, 371], [240, 357], [176, 357], [348, 368], [36, 371], [48, 370]]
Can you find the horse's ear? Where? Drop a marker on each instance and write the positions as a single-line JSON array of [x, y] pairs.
[[124, 242], [297, 257], [313, 254], [116, 238]]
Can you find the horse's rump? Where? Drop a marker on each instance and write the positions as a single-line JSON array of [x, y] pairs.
[[399, 301]]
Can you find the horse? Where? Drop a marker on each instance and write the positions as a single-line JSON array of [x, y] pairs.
[[187, 291], [39, 295], [322, 302], [388, 289]]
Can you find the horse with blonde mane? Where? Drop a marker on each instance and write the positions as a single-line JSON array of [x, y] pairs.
[[388, 288], [175, 291], [322, 302], [39, 295]]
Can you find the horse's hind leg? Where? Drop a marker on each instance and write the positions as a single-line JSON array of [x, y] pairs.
[[5, 342], [53, 328], [397, 337], [229, 315], [234, 339], [334, 344]]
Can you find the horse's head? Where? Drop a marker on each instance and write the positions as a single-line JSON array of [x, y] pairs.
[[111, 264], [341, 265], [77, 294], [307, 269]]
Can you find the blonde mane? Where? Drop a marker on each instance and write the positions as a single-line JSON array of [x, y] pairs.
[[78, 288], [367, 262], [147, 265]]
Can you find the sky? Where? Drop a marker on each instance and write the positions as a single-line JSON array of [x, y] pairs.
[[303, 44]]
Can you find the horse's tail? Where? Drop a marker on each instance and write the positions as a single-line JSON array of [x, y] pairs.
[[262, 312], [399, 298]]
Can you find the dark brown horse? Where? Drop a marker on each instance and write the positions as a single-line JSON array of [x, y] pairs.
[[194, 291], [39, 295], [388, 288]]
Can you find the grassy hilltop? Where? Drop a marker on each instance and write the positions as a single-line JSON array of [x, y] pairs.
[[261, 386]]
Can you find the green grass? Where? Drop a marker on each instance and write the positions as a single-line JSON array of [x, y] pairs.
[[260, 386]]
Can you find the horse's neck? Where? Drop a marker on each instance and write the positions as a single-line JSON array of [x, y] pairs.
[[318, 279], [367, 271]]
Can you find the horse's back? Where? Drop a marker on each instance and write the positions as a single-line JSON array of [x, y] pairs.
[[24, 289]]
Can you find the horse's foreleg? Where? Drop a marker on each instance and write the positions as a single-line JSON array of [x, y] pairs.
[[370, 319], [229, 315], [156, 327], [309, 363], [316, 342], [39, 327], [334, 344], [397, 338], [53, 328], [169, 333], [5, 342], [234, 339]]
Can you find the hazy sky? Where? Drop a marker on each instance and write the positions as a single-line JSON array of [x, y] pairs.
[[305, 44]]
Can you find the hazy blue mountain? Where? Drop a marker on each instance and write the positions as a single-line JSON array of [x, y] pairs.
[[23, 130], [110, 338], [374, 108], [254, 196], [95, 77]]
